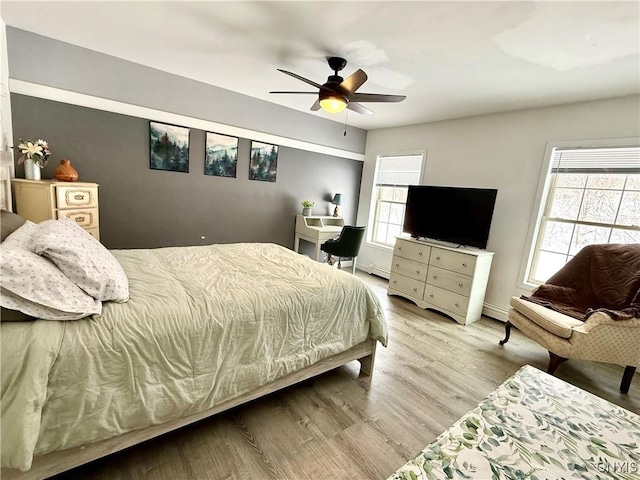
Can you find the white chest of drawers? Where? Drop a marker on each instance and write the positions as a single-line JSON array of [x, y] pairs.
[[450, 280], [39, 200]]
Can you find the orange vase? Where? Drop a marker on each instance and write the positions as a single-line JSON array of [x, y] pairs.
[[65, 172]]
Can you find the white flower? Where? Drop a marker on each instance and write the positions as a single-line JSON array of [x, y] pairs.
[[30, 149], [37, 151]]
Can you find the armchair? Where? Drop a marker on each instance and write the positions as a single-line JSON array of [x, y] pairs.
[[558, 316]]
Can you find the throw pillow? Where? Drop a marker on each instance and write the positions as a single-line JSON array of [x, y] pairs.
[[82, 258]]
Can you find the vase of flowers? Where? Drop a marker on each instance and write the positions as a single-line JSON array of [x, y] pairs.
[[35, 155], [307, 207]]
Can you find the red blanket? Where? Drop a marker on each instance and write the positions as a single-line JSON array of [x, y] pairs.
[[599, 278]]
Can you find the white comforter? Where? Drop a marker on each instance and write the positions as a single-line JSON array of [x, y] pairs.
[[203, 325]]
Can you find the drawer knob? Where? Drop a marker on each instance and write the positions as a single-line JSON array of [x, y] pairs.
[[457, 304], [415, 289], [431, 295], [420, 253], [435, 276], [79, 219], [438, 257], [399, 248], [460, 285], [79, 196], [395, 281], [397, 264], [418, 272], [464, 264]]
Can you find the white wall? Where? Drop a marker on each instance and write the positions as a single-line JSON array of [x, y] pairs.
[[503, 151]]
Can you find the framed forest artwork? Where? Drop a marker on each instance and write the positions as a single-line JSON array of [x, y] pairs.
[[168, 147], [264, 162], [221, 155]]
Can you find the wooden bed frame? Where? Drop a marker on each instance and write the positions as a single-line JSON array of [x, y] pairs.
[[56, 462]]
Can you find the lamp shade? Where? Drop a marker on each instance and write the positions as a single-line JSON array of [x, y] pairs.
[[337, 199]]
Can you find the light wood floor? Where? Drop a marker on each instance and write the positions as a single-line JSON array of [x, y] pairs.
[[340, 426]]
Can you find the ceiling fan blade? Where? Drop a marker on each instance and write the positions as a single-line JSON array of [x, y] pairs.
[[356, 107], [316, 106], [354, 82], [300, 93], [305, 80], [375, 97]]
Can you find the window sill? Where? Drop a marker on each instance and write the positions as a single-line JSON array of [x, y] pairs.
[[377, 246]]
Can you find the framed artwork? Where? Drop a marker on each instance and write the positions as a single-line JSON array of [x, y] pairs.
[[221, 155], [168, 147], [264, 162]]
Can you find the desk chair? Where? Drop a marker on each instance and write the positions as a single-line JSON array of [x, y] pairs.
[[347, 245]]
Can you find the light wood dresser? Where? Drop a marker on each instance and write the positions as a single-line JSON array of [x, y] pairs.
[[450, 280], [39, 200]]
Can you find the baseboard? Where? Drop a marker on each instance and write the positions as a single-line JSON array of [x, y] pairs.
[[495, 311], [377, 270]]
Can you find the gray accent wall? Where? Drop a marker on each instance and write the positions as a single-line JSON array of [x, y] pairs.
[[144, 208], [76, 69]]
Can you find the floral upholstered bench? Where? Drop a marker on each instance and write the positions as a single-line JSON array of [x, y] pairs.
[[534, 426]]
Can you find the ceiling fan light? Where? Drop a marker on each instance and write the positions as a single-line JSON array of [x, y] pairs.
[[333, 103]]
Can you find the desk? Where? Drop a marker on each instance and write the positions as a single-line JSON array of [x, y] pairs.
[[316, 229]]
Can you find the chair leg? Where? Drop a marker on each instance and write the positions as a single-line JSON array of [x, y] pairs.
[[507, 333], [554, 362], [627, 376], [353, 265], [340, 263]]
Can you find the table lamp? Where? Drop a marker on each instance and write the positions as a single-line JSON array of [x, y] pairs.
[[337, 200]]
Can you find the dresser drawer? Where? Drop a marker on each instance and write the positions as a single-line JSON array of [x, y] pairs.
[[95, 232], [86, 218], [409, 286], [412, 250], [446, 300], [74, 197], [409, 268], [454, 261], [452, 281]]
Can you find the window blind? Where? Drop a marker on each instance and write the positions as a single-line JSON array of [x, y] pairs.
[[596, 160], [398, 170]]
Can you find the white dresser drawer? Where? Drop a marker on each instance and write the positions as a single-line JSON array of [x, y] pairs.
[[406, 285], [74, 197], [452, 281], [446, 300], [454, 261], [412, 250], [409, 268], [86, 218]]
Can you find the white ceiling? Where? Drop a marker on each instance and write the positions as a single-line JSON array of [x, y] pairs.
[[451, 59]]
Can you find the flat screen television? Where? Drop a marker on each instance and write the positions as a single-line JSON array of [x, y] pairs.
[[451, 214]]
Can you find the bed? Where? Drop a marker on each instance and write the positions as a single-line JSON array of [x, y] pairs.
[[534, 426], [205, 328]]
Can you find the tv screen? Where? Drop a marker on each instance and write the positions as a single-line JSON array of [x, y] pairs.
[[451, 214]]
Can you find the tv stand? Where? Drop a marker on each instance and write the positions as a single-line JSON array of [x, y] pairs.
[[450, 280]]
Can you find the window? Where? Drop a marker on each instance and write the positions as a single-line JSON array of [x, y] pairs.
[[394, 174], [594, 197]]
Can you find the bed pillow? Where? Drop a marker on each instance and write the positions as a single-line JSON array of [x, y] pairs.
[[22, 237], [34, 285], [9, 223], [82, 258], [8, 315]]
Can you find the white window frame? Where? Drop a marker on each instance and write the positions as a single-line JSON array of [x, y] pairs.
[[542, 195], [373, 205]]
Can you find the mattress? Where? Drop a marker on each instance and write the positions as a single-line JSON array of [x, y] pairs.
[[203, 325]]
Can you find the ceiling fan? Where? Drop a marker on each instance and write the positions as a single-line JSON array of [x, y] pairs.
[[337, 93]]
